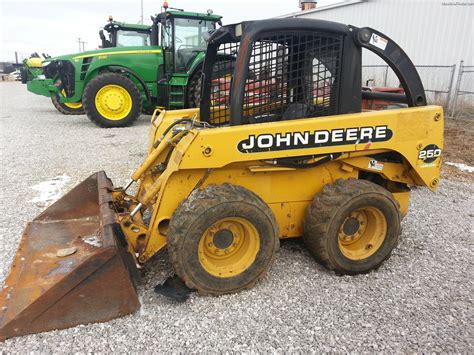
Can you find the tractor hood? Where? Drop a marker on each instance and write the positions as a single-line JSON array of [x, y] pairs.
[[103, 51]]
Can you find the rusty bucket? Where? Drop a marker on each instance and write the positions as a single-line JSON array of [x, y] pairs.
[[72, 266]]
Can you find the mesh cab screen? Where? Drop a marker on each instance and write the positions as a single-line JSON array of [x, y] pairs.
[[291, 75], [222, 72]]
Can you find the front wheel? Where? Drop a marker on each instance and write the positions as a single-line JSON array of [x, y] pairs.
[[112, 100], [67, 108], [222, 239], [352, 226]]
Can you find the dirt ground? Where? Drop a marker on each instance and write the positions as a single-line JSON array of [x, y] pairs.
[[459, 137]]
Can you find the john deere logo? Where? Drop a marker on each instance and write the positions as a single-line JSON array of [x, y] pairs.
[[313, 139]]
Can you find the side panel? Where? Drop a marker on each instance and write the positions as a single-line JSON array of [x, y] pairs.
[[415, 133]]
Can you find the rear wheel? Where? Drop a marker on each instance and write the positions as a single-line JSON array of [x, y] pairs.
[[67, 108], [112, 100], [194, 89], [352, 226], [222, 239]]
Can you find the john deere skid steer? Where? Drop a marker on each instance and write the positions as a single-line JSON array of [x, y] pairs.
[[279, 149]]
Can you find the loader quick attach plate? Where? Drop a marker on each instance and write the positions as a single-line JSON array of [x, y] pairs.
[[71, 266]]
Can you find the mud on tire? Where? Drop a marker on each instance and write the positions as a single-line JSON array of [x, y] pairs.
[[329, 221], [205, 212]]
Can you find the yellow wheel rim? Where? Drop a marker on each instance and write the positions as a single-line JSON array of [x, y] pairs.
[[228, 247], [113, 102], [73, 105], [362, 233]]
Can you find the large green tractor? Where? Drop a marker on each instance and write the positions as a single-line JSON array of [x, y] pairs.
[[113, 85], [118, 34]]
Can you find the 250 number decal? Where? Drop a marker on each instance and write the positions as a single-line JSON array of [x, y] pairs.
[[430, 153]]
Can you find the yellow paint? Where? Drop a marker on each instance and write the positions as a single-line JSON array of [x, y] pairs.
[[403, 199], [369, 236], [113, 102], [286, 191], [102, 54], [34, 62], [229, 259], [73, 105]]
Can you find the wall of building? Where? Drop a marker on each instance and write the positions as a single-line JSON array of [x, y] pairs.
[[431, 32]]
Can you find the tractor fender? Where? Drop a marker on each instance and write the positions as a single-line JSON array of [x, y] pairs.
[[116, 68], [199, 61]]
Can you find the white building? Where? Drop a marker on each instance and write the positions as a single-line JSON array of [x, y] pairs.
[[431, 32]]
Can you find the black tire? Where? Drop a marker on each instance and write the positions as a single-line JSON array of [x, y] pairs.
[[203, 210], [99, 82], [194, 89], [195, 82], [330, 212], [65, 110]]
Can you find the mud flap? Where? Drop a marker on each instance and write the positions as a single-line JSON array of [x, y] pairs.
[[72, 266]]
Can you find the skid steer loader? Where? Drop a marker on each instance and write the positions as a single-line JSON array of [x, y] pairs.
[[292, 156]]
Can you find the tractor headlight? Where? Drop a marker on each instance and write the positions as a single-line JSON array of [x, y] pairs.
[[45, 63]]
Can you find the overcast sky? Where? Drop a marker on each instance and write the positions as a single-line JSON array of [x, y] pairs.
[[53, 26]]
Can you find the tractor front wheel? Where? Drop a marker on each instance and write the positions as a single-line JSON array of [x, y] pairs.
[[67, 108], [112, 100], [222, 239], [352, 226]]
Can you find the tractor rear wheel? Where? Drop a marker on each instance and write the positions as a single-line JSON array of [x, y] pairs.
[[67, 108], [352, 226], [222, 239], [112, 100], [194, 89]]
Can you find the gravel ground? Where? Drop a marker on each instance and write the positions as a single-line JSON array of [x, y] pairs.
[[420, 300]]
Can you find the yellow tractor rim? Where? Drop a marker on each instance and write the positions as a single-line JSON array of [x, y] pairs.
[[228, 247], [113, 102], [73, 105], [362, 233]]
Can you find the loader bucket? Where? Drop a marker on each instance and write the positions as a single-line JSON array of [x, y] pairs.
[[72, 266]]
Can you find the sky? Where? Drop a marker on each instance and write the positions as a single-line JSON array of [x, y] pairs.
[[54, 26]]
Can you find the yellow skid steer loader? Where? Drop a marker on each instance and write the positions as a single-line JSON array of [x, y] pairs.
[[279, 149]]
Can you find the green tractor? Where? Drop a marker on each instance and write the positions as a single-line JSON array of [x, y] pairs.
[[119, 34], [160, 67]]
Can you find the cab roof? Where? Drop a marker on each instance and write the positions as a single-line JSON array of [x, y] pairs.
[[189, 14]]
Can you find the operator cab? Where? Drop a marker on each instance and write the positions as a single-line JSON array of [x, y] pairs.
[[182, 37], [121, 34], [295, 68]]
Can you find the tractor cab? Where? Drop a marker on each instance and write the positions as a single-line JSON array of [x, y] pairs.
[[182, 37], [120, 34]]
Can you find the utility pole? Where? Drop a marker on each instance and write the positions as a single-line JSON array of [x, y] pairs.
[[81, 44]]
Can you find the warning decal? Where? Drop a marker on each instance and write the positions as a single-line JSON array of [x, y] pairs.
[[378, 41]]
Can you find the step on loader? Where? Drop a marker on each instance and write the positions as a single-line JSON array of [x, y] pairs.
[[279, 149]]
